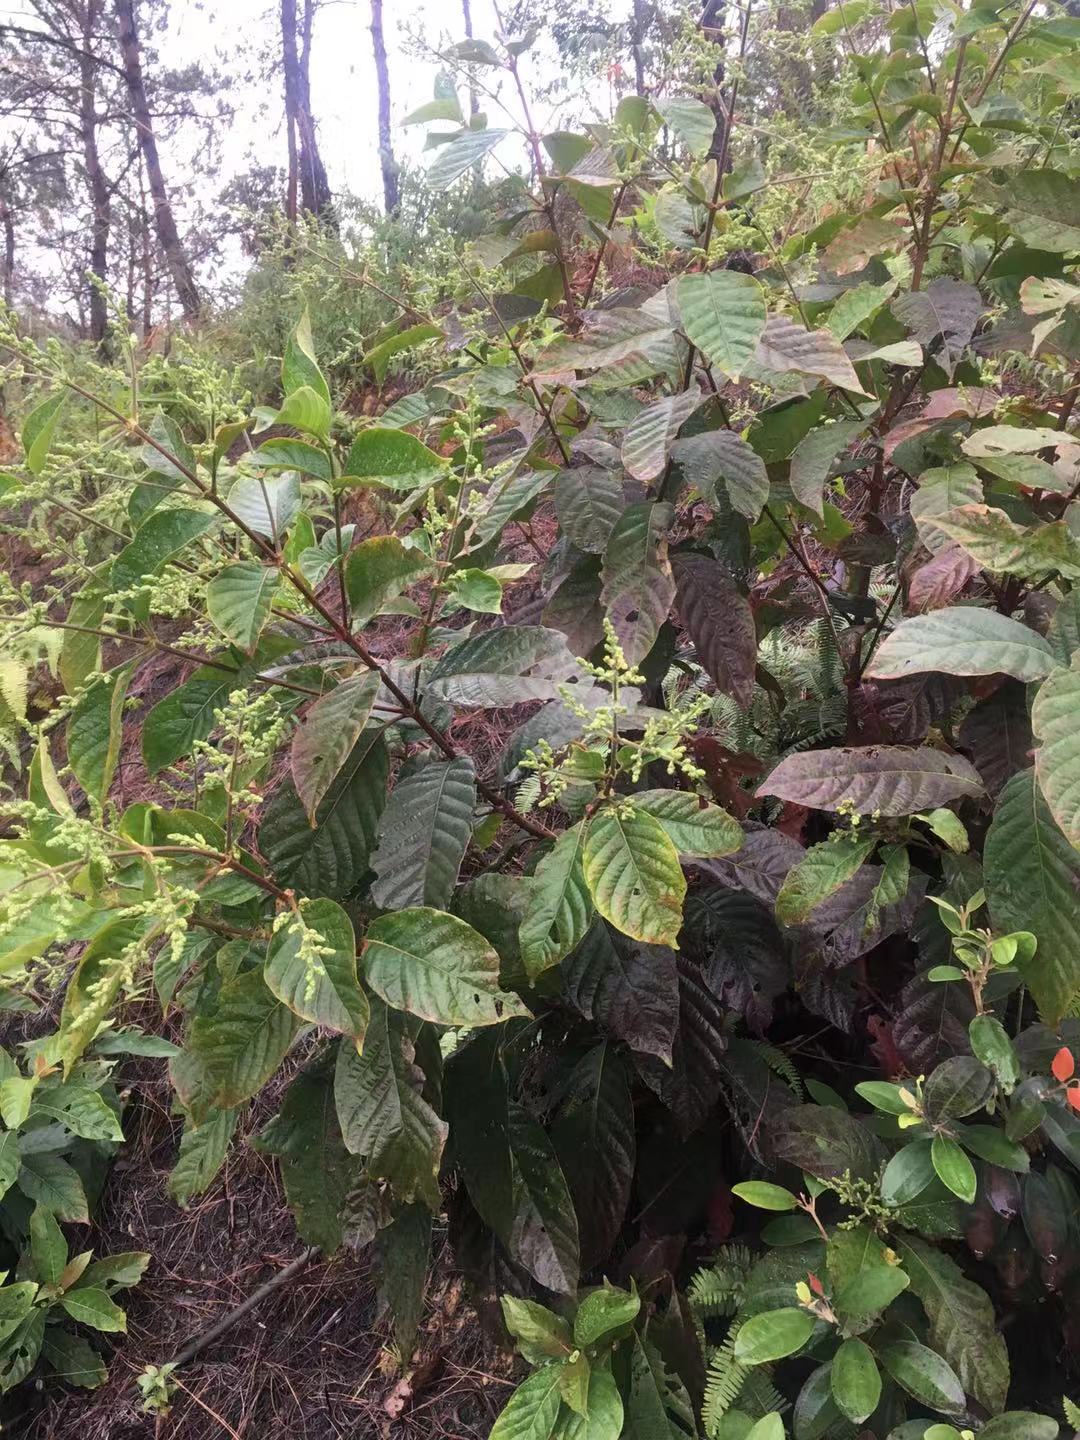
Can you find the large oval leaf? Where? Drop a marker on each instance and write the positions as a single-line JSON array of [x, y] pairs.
[[435, 966], [1055, 720], [311, 966], [723, 314], [633, 873], [423, 835], [888, 779], [719, 621], [961, 640], [330, 730], [638, 584]]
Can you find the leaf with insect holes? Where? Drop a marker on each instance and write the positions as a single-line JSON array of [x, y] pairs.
[[436, 967], [649, 437], [1057, 759], [238, 601], [721, 455], [638, 585], [331, 728], [559, 908], [888, 779], [723, 315], [694, 826], [962, 640], [719, 621], [633, 873]]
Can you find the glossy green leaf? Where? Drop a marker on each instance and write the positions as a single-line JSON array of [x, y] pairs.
[[311, 966], [238, 601], [854, 1381], [723, 314], [633, 874], [559, 907], [772, 1335], [328, 736]]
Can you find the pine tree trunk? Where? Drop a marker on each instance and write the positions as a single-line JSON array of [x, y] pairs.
[[640, 26], [314, 186], [100, 214], [391, 194], [466, 15], [290, 65], [164, 220], [7, 221]]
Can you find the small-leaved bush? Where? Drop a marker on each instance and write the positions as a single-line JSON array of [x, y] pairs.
[[760, 916]]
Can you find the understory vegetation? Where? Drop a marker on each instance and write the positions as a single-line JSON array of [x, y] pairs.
[[621, 749]]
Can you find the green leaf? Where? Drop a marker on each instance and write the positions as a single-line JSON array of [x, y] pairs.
[[323, 987], [764, 1196], [501, 667], [814, 458], [538, 1333], [603, 1314], [84, 1112], [633, 873], [588, 502], [9, 1160], [924, 1375], [50, 1181], [242, 1043], [238, 601], [887, 779], [377, 571], [329, 735], [81, 654], [823, 869], [424, 833], [692, 121], [657, 1405], [95, 731], [38, 430], [594, 1138], [693, 826], [1057, 760], [203, 1147], [991, 1044], [953, 1167], [559, 908], [186, 715], [16, 1302], [91, 1306], [435, 966], [283, 453], [266, 504], [1025, 1425], [122, 1271], [773, 1335], [883, 1096], [648, 439], [962, 641], [331, 859], [378, 356], [477, 590], [638, 586], [871, 1291], [854, 1381], [161, 536], [723, 315], [73, 1360], [48, 1248], [1032, 880], [991, 1145], [1043, 209], [907, 1174], [99, 977], [957, 1087], [962, 1321], [299, 366], [391, 457], [603, 1419], [531, 1411], [717, 455], [382, 1110], [459, 155]]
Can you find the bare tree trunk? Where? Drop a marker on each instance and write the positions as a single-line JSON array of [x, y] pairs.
[[147, 263], [290, 65], [7, 220], [712, 23], [314, 186], [466, 15], [100, 214], [391, 193], [164, 220], [637, 45]]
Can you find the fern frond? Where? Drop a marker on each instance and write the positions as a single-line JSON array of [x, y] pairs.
[[527, 794], [724, 1379], [758, 1396], [781, 1065], [716, 1289], [1072, 1412]]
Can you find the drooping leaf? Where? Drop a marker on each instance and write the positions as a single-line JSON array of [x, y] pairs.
[[1042, 209], [1057, 759], [997, 731], [242, 1043], [693, 826], [559, 908], [1032, 879], [332, 858], [962, 641], [717, 455], [813, 461], [311, 966], [95, 731], [461, 154], [531, 1411], [161, 536], [692, 121], [594, 1138], [691, 1086], [924, 1375], [788, 347], [186, 715], [38, 430], [889, 779], [423, 835], [630, 990], [638, 586], [633, 873], [267, 504], [329, 735], [723, 314], [377, 571], [382, 1110], [819, 874], [503, 667], [719, 621], [404, 1250], [203, 1147], [588, 501], [1005, 548], [435, 966], [946, 308]]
